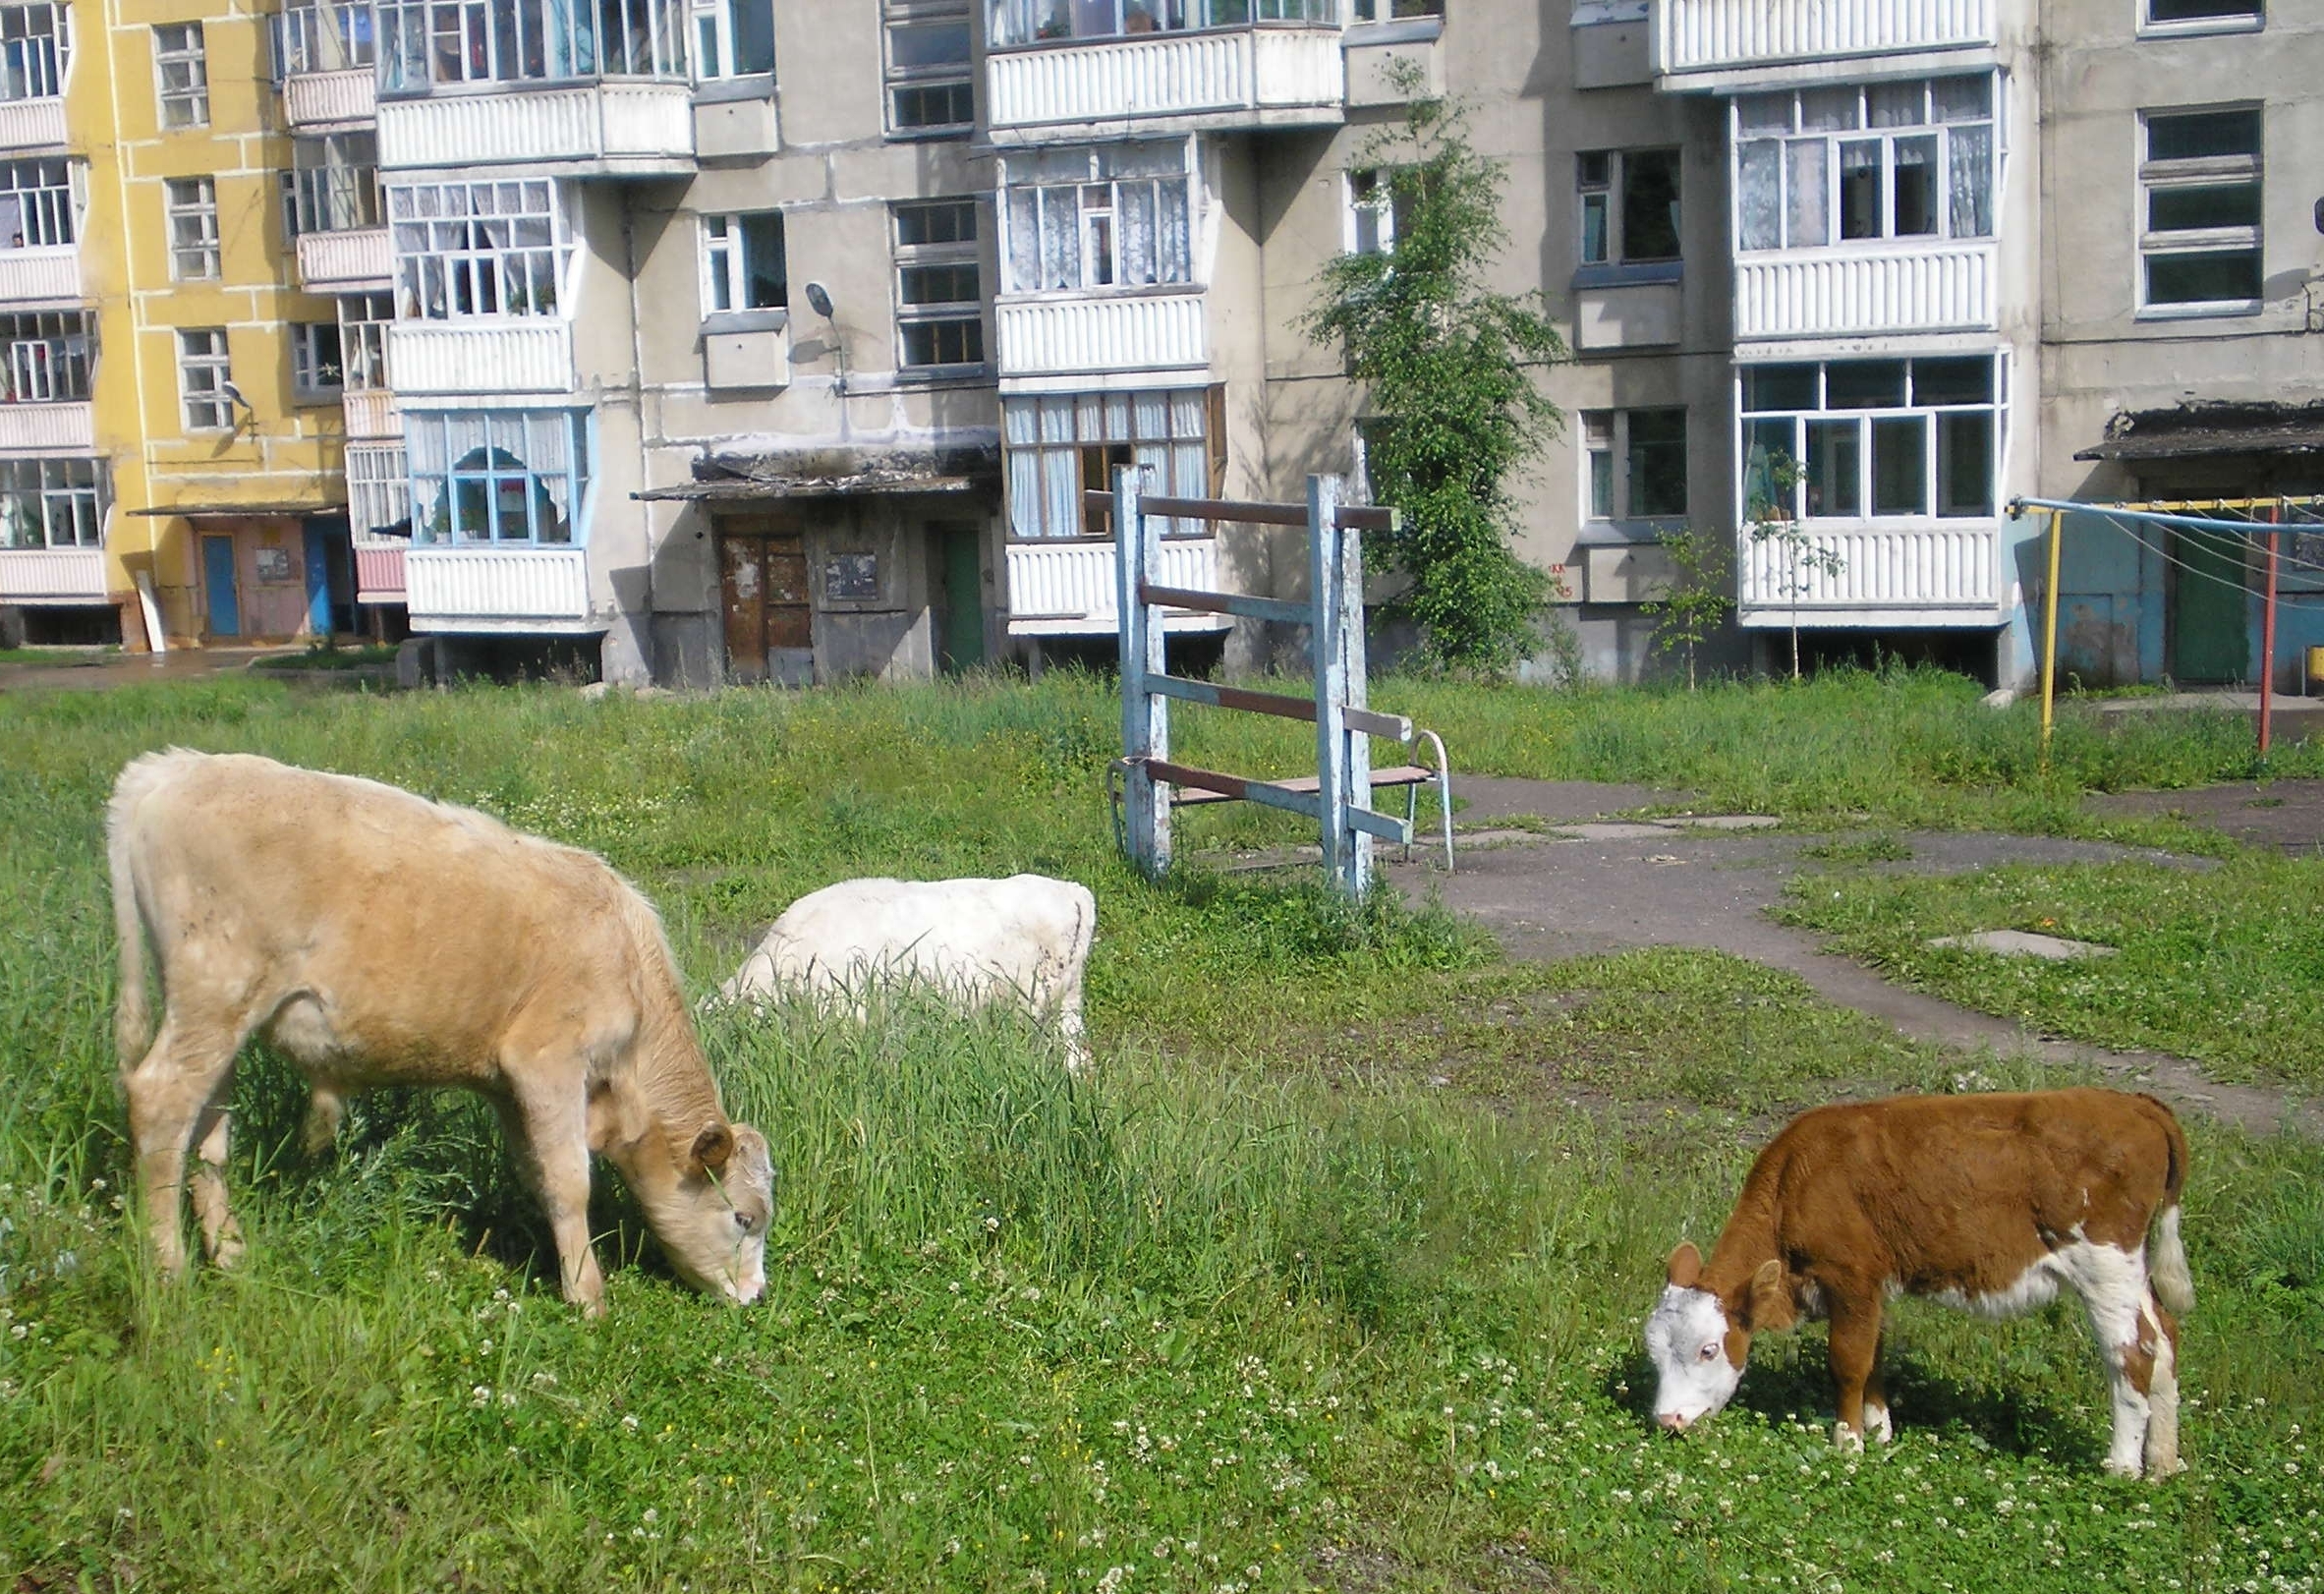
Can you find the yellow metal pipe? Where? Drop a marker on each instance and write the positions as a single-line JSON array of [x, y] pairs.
[[2050, 634]]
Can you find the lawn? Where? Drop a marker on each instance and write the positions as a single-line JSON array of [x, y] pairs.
[[1330, 1276]]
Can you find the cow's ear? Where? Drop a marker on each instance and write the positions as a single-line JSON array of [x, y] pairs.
[[713, 1147], [1685, 1265], [1767, 1304]]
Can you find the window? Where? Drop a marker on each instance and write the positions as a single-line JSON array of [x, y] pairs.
[[180, 76], [378, 490], [742, 263], [35, 47], [428, 43], [929, 89], [38, 207], [497, 475], [2164, 13], [316, 36], [1376, 212], [2198, 242], [1112, 216], [1891, 160], [1382, 11], [204, 379], [1057, 447], [1874, 437], [939, 301], [1636, 464], [335, 182], [1629, 205], [733, 38], [317, 368], [191, 204], [48, 355], [478, 248], [364, 320], [1032, 22], [52, 503]]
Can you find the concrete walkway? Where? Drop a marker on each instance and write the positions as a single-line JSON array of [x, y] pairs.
[[1605, 888]]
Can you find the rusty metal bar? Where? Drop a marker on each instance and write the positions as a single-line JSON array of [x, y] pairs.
[[1212, 695], [1308, 805], [1359, 517], [1280, 609]]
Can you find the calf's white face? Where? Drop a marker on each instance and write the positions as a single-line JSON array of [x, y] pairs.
[[1690, 1343]]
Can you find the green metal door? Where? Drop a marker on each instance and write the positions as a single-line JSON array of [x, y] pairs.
[[2210, 629], [961, 643]]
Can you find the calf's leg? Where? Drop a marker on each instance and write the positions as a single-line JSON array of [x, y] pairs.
[[1855, 1351], [221, 1236], [549, 1131], [1877, 1426], [170, 1092], [2162, 1394], [2113, 1286]]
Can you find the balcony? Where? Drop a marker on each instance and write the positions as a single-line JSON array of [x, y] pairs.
[[577, 129], [371, 413], [1926, 573], [530, 354], [40, 276], [48, 429], [52, 576], [380, 496], [1219, 80], [1711, 38], [1091, 334], [380, 573], [31, 124], [358, 260], [509, 589], [1827, 293], [1067, 589], [324, 100]]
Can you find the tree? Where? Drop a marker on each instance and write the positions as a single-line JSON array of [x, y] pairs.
[[1774, 518], [1446, 361], [1688, 613]]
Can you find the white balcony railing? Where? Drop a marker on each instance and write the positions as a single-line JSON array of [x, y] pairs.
[[526, 589], [28, 427], [530, 354], [379, 573], [1836, 292], [371, 413], [378, 494], [1099, 332], [1720, 35], [52, 575], [1949, 566], [322, 98], [643, 127], [31, 124], [352, 262], [1067, 589], [39, 276], [1226, 78]]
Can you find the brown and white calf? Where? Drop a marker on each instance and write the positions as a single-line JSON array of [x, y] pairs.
[[1988, 1203], [379, 938]]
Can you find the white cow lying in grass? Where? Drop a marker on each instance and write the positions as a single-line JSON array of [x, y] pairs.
[[1021, 940]]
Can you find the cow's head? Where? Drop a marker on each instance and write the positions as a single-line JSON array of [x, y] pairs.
[[1699, 1339], [713, 1225]]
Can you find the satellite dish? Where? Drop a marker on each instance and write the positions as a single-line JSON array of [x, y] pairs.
[[819, 300]]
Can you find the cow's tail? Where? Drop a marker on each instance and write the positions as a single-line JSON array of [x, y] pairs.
[[133, 1027], [2166, 1255]]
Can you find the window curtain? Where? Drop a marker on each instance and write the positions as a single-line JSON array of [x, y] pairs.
[[1969, 180], [1807, 221], [1759, 201]]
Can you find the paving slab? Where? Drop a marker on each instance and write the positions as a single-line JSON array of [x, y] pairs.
[[2024, 943]]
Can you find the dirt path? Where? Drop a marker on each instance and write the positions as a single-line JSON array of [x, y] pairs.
[[1606, 887]]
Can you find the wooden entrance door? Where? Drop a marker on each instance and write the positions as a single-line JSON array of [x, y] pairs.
[[762, 594]]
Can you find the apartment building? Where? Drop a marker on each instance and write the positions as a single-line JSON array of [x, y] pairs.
[[739, 340]]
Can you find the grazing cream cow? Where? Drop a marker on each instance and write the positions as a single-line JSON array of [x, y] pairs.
[[1988, 1203], [379, 938], [1022, 940]]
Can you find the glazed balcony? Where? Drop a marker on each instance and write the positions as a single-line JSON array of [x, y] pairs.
[[1727, 39], [40, 275], [1851, 291], [52, 576], [355, 261], [1281, 75], [1937, 572], [1069, 589], [48, 429], [490, 589], [622, 129], [330, 99], [525, 353], [371, 413], [1085, 334]]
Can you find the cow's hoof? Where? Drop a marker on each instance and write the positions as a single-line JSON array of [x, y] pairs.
[[2120, 1469], [2162, 1471], [1879, 1427], [1847, 1438]]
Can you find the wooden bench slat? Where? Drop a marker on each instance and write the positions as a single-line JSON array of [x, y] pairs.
[[1399, 774]]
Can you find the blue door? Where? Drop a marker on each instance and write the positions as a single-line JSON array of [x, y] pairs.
[[217, 577]]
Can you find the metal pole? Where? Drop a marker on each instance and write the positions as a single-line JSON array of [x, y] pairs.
[[1145, 714], [1330, 673], [1352, 665], [2050, 634], [2267, 649]]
